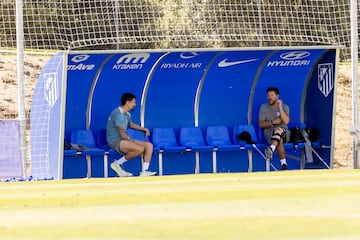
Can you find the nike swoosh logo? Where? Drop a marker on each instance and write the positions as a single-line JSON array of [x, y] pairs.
[[225, 63]]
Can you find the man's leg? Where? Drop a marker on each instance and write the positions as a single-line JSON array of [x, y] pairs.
[[137, 148], [277, 143], [280, 150], [147, 154], [130, 150], [148, 150], [275, 139]]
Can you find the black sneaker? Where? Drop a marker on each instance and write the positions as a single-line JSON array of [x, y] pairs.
[[284, 167]]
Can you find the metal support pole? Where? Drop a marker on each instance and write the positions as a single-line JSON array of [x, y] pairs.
[[20, 80], [116, 17], [354, 72], [260, 33]]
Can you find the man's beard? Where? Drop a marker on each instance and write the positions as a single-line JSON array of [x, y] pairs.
[[271, 102]]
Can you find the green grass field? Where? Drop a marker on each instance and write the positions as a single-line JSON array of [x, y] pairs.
[[319, 204]]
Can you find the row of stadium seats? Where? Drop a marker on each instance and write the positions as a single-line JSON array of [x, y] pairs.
[[190, 139]]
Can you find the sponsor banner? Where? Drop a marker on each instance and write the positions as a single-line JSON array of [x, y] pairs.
[[131, 61], [83, 62], [296, 58]]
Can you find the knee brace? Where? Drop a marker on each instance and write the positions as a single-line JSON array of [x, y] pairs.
[[278, 134]]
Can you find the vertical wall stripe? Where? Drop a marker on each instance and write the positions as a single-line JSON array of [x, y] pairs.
[[146, 88], [199, 89]]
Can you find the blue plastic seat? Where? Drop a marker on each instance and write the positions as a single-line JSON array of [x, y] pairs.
[[101, 139], [102, 143], [192, 138], [164, 140], [137, 135], [219, 138], [70, 152], [247, 128], [250, 147], [85, 138]]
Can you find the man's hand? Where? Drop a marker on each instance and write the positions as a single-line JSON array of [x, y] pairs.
[[276, 121], [147, 132], [283, 118]]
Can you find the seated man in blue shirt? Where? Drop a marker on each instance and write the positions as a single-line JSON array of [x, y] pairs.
[[117, 124]]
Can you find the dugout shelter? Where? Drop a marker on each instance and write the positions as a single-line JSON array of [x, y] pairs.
[[175, 89]]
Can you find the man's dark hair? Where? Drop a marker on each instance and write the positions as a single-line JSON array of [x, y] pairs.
[[127, 97], [275, 89]]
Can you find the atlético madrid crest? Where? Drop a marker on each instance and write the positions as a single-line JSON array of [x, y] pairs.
[[51, 88], [325, 78]]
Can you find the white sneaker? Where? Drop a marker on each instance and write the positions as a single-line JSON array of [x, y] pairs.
[[119, 169], [268, 153], [147, 174]]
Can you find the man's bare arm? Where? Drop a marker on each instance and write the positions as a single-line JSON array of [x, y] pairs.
[[140, 128], [265, 124], [122, 133]]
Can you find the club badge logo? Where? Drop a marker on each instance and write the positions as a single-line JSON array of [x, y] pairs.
[[325, 78], [51, 92]]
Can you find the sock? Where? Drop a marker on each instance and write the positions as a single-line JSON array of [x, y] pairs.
[[283, 161], [121, 160], [272, 147], [145, 166]]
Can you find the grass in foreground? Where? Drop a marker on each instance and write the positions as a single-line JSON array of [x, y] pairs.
[[276, 205]]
